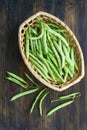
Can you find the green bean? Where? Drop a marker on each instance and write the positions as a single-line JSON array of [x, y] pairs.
[[60, 52], [34, 31], [53, 36], [56, 27], [53, 59], [48, 67], [69, 96], [16, 77], [29, 78], [56, 72], [42, 33], [27, 44], [42, 59], [76, 65], [31, 41], [66, 52], [70, 65], [50, 51], [40, 47], [62, 31], [57, 34], [41, 73], [36, 99], [38, 66], [59, 107], [55, 52], [65, 77], [45, 43], [71, 68], [34, 47], [24, 93], [38, 62], [66, 70], [68, 60], [41, 100], [36, 44], [73, 58], [17, 82], [53, 25]]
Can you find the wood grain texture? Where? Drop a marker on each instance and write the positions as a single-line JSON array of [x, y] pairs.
[[15, 115]]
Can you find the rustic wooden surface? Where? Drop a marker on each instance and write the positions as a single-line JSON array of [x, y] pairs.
[[15, 115]]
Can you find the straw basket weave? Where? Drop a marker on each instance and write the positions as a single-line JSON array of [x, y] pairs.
[[73, 41]]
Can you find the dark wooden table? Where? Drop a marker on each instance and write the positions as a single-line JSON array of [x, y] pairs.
[[15, 115]]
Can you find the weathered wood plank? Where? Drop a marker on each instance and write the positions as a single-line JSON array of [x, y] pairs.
[[15, 115]]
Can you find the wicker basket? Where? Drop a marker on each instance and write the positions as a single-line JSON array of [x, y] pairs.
[[78, 52]]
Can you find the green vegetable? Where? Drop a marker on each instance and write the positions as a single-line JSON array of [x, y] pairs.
[[16, 77], [32, 90], [42, 33], [60, 51], [41, 100], [59, 107], [37, 66], [29, 78], [50, 51], [60, 79], [57, 35], [36, 99], [69, 96], [27, 44], [17, 82], [43, 93], [55, 52], [48, 67], [38, 62]]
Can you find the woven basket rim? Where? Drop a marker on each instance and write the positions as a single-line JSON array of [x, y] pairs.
[[27, 63]]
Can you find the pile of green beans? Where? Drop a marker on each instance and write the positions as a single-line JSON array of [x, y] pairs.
[[41, 94], [71, 97], [16, 79], [21, 82], [49, 50]]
